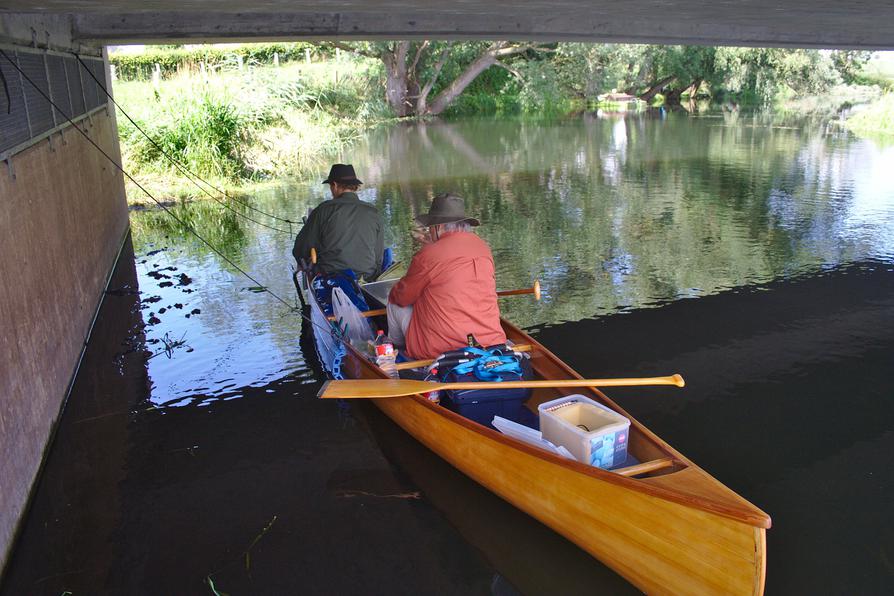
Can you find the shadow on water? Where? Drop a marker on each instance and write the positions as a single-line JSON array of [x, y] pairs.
[[276, 492], [788, 400]]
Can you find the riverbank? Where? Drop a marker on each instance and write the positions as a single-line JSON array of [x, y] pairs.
[[242, 127], [247, 115]]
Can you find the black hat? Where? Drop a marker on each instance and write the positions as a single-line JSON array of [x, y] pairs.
[[342, 174], [446, 208]]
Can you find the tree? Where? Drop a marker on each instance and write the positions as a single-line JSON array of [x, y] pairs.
[[850, 63], [414, 70]]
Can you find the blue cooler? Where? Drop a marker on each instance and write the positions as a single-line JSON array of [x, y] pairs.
[[481, 405]]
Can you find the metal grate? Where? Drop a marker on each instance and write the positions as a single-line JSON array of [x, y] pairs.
[[98, 69], [13, 120], [90, 91], [75, 91], [40, 112], [59, 87], [25, 113]]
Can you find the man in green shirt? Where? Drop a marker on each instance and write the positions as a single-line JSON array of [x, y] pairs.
[[346, 232]]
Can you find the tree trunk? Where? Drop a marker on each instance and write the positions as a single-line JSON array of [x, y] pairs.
[[672, 97], [655, 89], [692, 89], [396, 80], [446, 97]]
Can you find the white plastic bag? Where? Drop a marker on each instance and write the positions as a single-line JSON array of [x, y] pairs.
[[347, 314]]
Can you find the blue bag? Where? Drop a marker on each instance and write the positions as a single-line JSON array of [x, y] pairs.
[[323, 283]]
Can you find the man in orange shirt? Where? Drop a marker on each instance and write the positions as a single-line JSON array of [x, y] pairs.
[[449, 291]]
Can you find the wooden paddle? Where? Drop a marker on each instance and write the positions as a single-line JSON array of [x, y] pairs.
[[377, 312], [376, 388]]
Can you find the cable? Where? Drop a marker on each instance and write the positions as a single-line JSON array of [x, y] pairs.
[[183, 169], [159, 203]]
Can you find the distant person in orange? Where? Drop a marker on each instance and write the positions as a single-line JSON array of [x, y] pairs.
[[450, 289]]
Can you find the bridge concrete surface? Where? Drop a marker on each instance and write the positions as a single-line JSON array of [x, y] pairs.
[[63, 211]]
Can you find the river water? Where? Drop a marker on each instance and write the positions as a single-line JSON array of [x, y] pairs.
[[752, 253]]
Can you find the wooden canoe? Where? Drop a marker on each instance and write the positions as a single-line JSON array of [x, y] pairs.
[[665, 525]]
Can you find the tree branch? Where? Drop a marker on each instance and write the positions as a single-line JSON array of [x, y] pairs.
[[502, 50], [422, 47], [434, 77], [351, 49], [423, 94], [511, 70]]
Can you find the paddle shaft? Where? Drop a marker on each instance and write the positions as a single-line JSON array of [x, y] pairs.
[[377, 388]]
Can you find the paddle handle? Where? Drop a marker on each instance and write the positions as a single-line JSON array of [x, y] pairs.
[[535, 289], [632, 382]]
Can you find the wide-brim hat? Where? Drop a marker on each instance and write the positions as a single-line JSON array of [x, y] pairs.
[[446, 208], [342, 174]]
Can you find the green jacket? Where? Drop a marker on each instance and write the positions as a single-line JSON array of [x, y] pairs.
[[347, 234]]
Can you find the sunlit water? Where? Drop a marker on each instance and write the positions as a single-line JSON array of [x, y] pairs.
[[752, 254], [612, 214]]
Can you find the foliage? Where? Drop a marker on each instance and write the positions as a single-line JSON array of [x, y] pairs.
[[875, 120], [172, 59], [205, 134], [260, 122], [234, 126], [425, 78], [850, 64]]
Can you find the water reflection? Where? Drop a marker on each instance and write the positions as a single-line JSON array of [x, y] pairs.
[[612, 214]]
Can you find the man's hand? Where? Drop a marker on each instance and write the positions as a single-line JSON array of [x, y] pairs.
[[421, 235]]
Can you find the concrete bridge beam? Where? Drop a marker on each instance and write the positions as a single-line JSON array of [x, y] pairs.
[[632, 22]]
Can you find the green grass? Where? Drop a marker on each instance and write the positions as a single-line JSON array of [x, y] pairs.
[[875, 120], [239, 127]]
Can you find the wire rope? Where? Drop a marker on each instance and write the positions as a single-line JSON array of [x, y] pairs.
[[191, 176], [187, 226]]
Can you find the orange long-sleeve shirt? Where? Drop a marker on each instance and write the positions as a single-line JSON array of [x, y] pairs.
[[453, 291]]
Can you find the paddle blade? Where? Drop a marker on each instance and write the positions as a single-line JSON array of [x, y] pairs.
[[374, 388]]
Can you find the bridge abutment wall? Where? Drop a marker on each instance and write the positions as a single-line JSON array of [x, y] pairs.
[[63, 219]]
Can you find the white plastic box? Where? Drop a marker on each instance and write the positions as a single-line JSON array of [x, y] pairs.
[[593, 433]]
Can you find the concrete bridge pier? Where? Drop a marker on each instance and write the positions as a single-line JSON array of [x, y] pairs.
[[63, 219]]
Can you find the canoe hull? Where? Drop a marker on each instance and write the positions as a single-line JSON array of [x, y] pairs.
[[674, 533], [662, 547]]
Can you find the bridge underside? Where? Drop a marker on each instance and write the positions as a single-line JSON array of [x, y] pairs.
[[865, 24]]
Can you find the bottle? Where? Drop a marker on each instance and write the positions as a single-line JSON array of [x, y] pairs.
[[385, 354]]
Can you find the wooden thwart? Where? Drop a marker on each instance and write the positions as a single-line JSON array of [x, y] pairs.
[[376, 388]]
